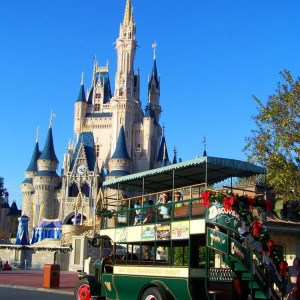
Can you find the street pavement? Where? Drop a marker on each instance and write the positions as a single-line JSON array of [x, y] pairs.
[[35, 279], [16, 294]]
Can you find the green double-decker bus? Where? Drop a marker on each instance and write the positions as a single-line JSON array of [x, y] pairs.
[[166, 234]]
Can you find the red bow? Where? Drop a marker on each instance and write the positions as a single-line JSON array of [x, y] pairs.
[[271, 246], [251, 201], [228, 203], [205, 196], [268, 204], [283, 268], [256, 228]]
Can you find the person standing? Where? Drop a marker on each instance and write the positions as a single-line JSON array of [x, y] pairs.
[[1, 264], [296, 291], [293, 277]]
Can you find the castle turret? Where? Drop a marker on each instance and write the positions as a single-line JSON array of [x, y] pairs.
[[80, 108], [46, 180], [163, 156], [27, 187], [154, 88], [120, 162]]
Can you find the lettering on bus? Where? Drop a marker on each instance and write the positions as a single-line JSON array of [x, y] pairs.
[[235, 249], [217, 240], [214, 238], [154, 271], [215, 212], [229, 219]]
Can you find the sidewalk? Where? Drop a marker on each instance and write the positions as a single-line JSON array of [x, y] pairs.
[[33, 280]]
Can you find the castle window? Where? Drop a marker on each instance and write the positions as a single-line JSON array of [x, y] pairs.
[[97, 150], [97, 107]]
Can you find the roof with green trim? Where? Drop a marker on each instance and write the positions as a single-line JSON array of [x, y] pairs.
[[200, 170]]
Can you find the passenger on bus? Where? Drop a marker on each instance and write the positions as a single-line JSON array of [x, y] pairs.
[[178, 198], [124, 202], [150, 212], [165, 210], [139, 213]]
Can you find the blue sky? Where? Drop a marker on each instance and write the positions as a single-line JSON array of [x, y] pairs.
[[212, 57]]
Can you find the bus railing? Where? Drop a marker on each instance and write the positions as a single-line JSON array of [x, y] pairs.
[[178, 211]]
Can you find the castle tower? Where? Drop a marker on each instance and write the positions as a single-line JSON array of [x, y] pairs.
[[45, 182], [27, 185], [125, 104], [154, 88]]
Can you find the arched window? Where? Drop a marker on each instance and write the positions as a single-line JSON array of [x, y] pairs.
[[73, 190], [85, 190]]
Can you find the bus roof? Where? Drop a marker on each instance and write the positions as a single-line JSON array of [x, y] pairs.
[[206, 169]]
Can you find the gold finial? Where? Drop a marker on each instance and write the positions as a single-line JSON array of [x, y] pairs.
[[128, 17]]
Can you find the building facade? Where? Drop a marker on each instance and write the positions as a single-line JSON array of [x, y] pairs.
[[115, 137]]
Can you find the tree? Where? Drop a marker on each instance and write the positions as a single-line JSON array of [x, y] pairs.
[[275, 143], [2, 188]]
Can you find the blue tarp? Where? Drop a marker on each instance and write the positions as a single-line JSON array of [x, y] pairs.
[[22, 234], [48, 229]]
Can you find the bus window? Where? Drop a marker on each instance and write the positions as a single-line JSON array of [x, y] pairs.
[[180, 254], [163, 251]]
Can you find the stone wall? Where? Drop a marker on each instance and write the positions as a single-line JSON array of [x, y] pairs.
[[34, 258]]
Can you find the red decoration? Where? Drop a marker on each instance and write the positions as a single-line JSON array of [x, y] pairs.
[[251, 201], [268, 204], [271, 246], [283, 268], [205, 196], [256, 227]]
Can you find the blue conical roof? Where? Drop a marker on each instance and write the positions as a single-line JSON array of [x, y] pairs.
[[150, 113], [81, 95], [121, 149], [161, 157], [154, 75], [48, 151], [35, 156]]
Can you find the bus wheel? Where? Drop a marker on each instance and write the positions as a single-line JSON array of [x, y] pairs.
[[152, 293], [82, 290]]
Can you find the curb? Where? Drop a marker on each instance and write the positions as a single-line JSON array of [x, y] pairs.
[[36, 289]]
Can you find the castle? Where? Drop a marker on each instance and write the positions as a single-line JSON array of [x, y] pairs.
[[115, 137]]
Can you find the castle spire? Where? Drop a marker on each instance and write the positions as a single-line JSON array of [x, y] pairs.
[[204, 142], [128, 16], [81, 95], [51, 117], [121, 149], [48, 151], [37, 134]]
